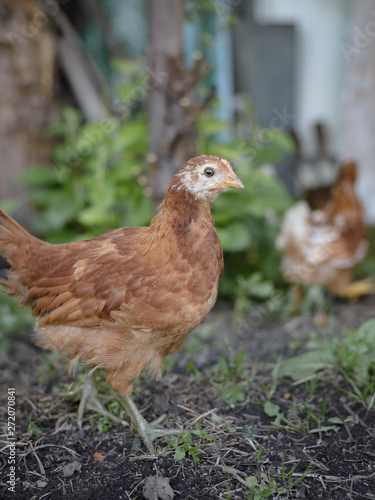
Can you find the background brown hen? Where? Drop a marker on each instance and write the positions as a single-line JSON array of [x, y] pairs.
[[322, 246]]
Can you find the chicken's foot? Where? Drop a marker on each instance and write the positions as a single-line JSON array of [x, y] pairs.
[[143, 428], [90, 401], [359, 288]]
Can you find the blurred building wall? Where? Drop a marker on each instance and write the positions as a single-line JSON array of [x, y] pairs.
[[358, 128], [335, 78], [320, 64]]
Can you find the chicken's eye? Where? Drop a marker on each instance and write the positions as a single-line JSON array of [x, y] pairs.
[[209, 172]]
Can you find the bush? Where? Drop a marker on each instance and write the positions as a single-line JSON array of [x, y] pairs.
[[96, 181]]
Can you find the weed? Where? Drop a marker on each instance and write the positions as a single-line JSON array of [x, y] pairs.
[[73, 390], [33, 431], [229, 371], [103, 423], [232, 394], [195, 374], [268, 485], [312, 385], [347, 363], [115, 407], [303, 417], [259, 454], [256, 288], [264, 487], [287, 477], [184, 446], [228, 375]]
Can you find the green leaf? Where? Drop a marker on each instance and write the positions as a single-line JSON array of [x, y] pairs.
[[210, 125], [271, 409], [179, 454], [252, 481], [325, 428], [34, 431], [234, 237], [42, 175], [232, 394], [215, 417], [306, 364], [173, 442], [53, 219]]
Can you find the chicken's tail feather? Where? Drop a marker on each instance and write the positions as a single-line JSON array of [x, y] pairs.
[[9, 227], [14, 244]]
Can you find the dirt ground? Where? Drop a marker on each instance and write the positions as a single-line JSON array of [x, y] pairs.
[[240, 452]]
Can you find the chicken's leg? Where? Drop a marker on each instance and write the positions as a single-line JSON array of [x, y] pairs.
[[143, 428], [90, 401]]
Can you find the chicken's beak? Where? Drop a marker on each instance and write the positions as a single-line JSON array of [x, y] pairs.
[[232, 181]]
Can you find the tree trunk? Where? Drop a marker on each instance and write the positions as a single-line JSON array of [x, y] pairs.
[[27, 59], [172, 139], [165, 48]]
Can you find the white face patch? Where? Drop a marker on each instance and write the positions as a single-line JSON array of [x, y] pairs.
[[201, 185]]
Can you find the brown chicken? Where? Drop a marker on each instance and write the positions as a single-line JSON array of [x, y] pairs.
[[124, 300], [323, 246]]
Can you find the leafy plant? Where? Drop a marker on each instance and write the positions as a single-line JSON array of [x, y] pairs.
[[103, 423], [229, 371], [195, 9], [184, 446], [255, 288], [96, 182], [266, 485], [287, 476], [304, 417], [227, 375], [347, 363]]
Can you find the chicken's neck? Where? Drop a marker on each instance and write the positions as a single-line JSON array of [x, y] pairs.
[[180, 210]]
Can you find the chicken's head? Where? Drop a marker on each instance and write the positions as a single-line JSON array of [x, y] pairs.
[[205, 177]]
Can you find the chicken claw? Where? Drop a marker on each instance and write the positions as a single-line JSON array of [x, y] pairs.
[[143, 428], [90, 401]]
